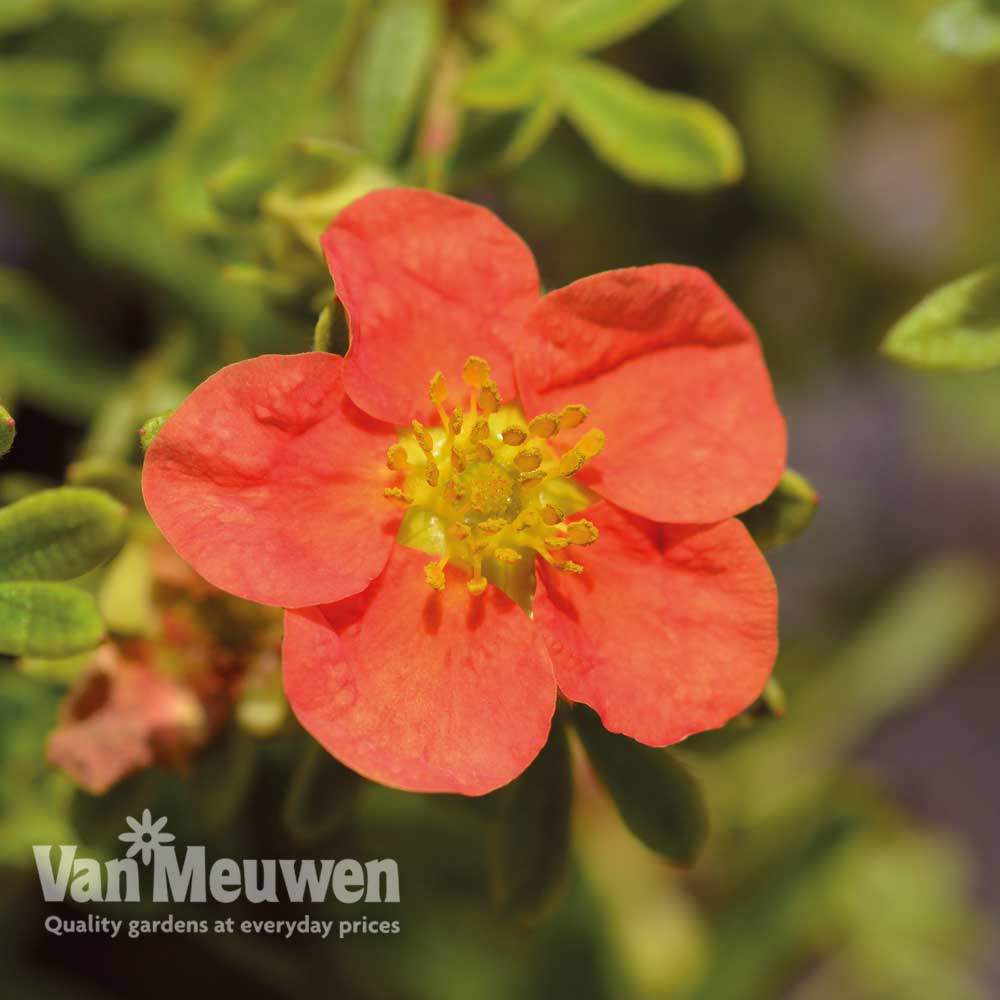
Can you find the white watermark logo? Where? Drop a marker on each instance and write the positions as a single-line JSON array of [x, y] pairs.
[[188, 876]]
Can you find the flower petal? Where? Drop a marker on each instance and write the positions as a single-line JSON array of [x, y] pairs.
[[427, 280], [669, 631], [418, 689], [268, 480], [674, 376]]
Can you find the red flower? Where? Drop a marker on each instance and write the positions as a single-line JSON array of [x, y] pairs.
[[285, 480]]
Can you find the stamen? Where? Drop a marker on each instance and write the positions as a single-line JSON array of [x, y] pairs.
[[572, 416], [422, 437], [514, 436], [492, 525], [569, 567], [551, 515], [528, 460], [397, 459], [457, 462], [509, 556], [489, 398], [439, 389], [434, 575], [432, 475], [557, 542], [582, 532], [396, 494], [526, 519], [475, 372], [591, 444], [570, 464], [545, 425], [457, 419], [479, 453], [480, 431]]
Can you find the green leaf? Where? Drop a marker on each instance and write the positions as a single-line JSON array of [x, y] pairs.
[[59, 534], [322, 796], [650, 136], [785, 514], [967, 28], [279, 70], [956, 328], [118, 479], [582, 25], [657, 798], [8, 431], [44, 355], [394, 63], [531, 847], [505, 80], [47, 619]]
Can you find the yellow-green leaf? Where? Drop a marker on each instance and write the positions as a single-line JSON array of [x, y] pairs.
[[59, 534], [394, 62], [47, 619], [650, 136], [966, 28], [582, 25], [956, 328], [505, 80]]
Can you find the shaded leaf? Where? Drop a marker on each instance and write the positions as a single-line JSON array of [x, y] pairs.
[[47, 619], [505, 80], [59, 534], [394, 62], [785, 514], [658, 800], [650, 136], [322, 796], [42, 353], [956, 328], [581, 25], [531, 847]]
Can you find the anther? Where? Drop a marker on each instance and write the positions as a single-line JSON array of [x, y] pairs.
[[551, 515], [439, 389], [526, 519], [514, 436], [557, 542], [396, 494], [457, 419], [572, 416], [476, 585], [423, 437], [509, 556], [582, 532], [434, 575], [432, 474], [569, 567], [480, 452], [489, 398], [480, 430], [492, 525], [545, 425], [532, 480], [397, 459], [457, 461], [571, 463], [475, 372], [528, 460], [592, 443], [460, 531]]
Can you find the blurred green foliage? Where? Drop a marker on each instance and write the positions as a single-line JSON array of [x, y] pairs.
[[166, 168]]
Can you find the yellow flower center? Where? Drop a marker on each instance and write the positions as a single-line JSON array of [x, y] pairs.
[[486, 490]]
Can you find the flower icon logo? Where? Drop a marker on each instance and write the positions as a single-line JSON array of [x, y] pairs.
[[146, 837]]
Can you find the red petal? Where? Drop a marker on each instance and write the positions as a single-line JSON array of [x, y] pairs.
[[421, 690], [670, 630], [674, 376], [268, 481], [427, 280]]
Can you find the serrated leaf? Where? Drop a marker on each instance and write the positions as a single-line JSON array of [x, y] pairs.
[[393, 67], [956, 328], [505, 80], [582, 25], [967, 28], [658, 800], [59, 534], [650, 136], [42, 353], [321, 797], [47, 619], [785, 514], [532, 837]]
